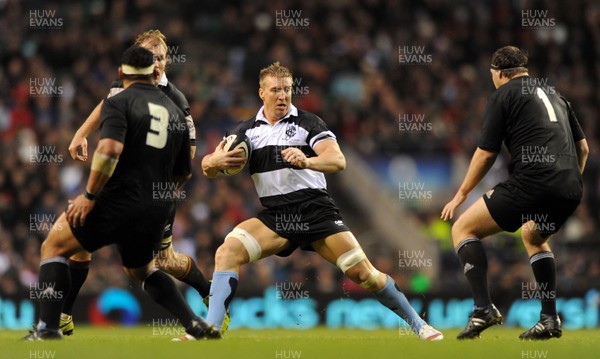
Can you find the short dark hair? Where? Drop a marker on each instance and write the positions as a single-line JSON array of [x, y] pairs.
[[138, 57], [510, 60]]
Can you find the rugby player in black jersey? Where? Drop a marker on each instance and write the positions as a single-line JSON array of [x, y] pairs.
[[292, 149], [179, 265], [548, 153], [144, 141]]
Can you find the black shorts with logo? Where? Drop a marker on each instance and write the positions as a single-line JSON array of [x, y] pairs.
[[304, 223], [511, 206], [136, 236]]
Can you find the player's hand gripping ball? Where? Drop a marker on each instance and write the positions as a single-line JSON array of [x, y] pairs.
[[233, 142]]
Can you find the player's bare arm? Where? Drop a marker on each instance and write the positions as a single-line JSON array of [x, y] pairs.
[[79, 141], [220, 160], [329, 157], [104, 163], [582, 153], [481, 163]]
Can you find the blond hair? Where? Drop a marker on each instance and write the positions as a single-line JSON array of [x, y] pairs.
[[274, 70], [154, 38]]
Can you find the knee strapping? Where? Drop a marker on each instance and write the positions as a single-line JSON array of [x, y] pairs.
[[350, 259], [371, 280], [249, 242]]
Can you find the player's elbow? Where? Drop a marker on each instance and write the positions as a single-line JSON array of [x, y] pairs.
[[583, 149], [110, 148], [486, 156], [341, 163], [337, 164]]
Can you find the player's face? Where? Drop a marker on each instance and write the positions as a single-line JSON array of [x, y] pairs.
[[160, 56], [276, 93]]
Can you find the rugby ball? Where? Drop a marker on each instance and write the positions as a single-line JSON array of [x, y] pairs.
[[233, 142]]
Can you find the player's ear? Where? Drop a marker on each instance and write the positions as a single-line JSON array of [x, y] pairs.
[[261, 93], [120, 73], [156, 74]]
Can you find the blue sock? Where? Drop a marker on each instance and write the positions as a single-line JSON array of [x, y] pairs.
[[394, 299], [222, 290]]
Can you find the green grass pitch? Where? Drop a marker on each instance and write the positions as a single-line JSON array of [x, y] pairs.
[[142, 342]]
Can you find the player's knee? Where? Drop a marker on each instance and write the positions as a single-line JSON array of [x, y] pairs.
[[355, 266], [230, 254], [460, 231], [139, 274], [239, 247], [45, 248], [176, 264], [366, 276], [133, 274], [534, 239], [83, 256], [50, 248]]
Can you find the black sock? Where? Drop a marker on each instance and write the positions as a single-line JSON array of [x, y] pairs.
[[544, 270], [164, 292], [474, 262], [53, 285], [196, 279], [79, 272]]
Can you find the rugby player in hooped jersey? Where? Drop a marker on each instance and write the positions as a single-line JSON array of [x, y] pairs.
[[542, 192], [292, 149]]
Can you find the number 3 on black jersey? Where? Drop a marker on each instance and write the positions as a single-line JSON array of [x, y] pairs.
[[157, 136]]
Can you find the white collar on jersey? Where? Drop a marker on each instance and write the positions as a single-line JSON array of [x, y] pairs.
[[163, 80], [292, 112]]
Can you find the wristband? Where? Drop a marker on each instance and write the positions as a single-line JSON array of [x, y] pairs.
[[89, 196]]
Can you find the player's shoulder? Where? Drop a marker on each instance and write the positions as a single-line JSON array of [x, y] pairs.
[[508, 93], [134, 92], [308, 115], [117, 84], [135, 96], [309, 120], [175, 95], [245, 125], [115, 88]]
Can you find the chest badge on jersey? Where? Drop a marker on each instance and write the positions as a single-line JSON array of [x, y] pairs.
[[290, 131]]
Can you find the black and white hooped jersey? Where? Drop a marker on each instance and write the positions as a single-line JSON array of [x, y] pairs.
[[277, 181]]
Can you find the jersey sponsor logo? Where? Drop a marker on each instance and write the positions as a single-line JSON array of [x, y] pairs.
[[339, 223]]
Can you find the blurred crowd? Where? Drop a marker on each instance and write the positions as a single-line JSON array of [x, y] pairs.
[[58, 59]]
